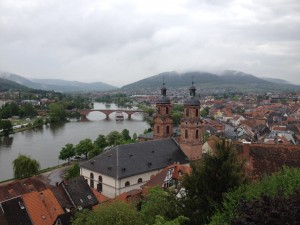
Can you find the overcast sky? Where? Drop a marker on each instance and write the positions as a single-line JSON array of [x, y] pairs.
[[119, 42]]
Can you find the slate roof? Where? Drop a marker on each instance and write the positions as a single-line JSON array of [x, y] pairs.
[[80, 192], [131, 159], [15, 212]]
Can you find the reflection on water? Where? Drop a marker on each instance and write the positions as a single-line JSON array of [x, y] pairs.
[[44, 144], [6, 141]]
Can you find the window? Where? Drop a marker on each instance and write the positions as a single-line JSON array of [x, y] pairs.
[[100, 186], [158, 110], [92, 180], [197, 112], [167, 110], [186, 134], [127, 183], [197, 134], [157, 129], [187, 112], [140, 180], [168, 130]]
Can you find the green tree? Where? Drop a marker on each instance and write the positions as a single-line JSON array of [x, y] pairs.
[[158, 202], [177, 116], [114, 138], [6, 126], [67, 152], [125, 135], [101, 142], [204, 112], [73, 171], [134, 136], [84, 147], [211, 177], [286, 180], [27, 110], [108, 213], [38, 122], [24, 166], [57, 112], [94, 152]]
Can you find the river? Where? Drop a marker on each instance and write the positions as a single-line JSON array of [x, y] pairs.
[[45, 143]]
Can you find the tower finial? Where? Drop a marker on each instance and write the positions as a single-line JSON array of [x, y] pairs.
[[193, 80], [164, 89]]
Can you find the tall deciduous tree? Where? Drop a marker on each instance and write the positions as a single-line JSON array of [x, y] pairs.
[[158, 202], [211, 177], [114, 138], [57, 112], [67, 152], [101, 141], [84, 147], [24, 166], [125, 135], [109, 213]]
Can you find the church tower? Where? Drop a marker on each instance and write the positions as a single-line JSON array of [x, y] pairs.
[[191, 128], [163, 121]]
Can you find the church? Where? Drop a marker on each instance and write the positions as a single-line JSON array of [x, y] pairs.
[[129, 166]]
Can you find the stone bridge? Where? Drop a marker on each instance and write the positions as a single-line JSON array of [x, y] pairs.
[[107, 112]]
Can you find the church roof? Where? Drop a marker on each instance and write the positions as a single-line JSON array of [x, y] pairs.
[[192, 101], [163, 100], [132, 159]]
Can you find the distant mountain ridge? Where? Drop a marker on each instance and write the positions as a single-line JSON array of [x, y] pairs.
[[57, 84], [8, 85], [228, 80]]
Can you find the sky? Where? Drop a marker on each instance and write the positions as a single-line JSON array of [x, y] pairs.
[[122, 41]]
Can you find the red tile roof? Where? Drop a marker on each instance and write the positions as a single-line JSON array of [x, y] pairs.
[[42, 207]]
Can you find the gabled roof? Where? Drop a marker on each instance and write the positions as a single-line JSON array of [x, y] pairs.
[[62, 197], [43, 207], [15, 212], [131, 159], [19, 187], [177, 173], [80, 192]]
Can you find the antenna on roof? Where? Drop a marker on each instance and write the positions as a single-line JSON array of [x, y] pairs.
[[163, 81]]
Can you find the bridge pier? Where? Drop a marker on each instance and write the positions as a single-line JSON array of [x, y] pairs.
[[129, 116]]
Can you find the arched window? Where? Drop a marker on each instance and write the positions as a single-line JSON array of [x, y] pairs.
[[168, 129], [197, 134], [186, 134], [167, 110], [100, 186], [140, 180], [92, 180], [157, 129], [197, 112], [127, 183], [187, 112]]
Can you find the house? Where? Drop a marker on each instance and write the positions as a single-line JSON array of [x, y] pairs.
[[170, 176], [75, 194], [126, 167], [15, 212], [237, 120], [20, 187], [42, 207]]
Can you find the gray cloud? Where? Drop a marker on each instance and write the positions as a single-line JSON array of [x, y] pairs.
[[119, 42]]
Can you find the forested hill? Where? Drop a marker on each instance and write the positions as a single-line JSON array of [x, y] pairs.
[[7, 85], [226, 81]]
